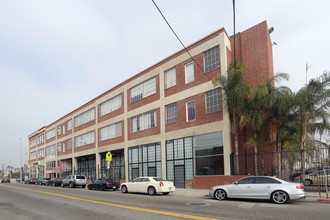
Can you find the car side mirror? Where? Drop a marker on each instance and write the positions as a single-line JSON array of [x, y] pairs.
[[236, 183]]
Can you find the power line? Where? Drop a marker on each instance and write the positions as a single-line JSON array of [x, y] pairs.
[[179, 39]]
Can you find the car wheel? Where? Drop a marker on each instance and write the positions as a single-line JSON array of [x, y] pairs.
[[102, 188], [124, 189], [166, 193], [83, 186], [280, 197], [151, 191], [114, 189], [54, 184], [71, 185], [89, 188], [308, 182], [220, 194]]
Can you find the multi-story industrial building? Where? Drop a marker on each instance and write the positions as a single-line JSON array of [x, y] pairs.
[[167, 121]]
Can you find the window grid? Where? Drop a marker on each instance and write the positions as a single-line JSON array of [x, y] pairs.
[[144, 121], [170, 77], [179, 152], [211, 59], [50, 134], [143, 90], [84, 139], [191, 112], [190, 72], [111, 105], [171, 113], [142, 158], [111, 131], [84, 117], [213, 101]]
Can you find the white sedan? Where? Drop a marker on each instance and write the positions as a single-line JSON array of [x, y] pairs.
[[150, 185], [260, 187]]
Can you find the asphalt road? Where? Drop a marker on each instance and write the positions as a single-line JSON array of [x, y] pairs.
[[19, 201]]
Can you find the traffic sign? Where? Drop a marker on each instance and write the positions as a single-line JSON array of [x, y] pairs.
[[108, 156]]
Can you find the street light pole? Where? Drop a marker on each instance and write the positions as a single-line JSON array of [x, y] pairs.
[[20, 169]]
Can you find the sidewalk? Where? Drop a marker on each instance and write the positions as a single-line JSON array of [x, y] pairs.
[[311, 196]]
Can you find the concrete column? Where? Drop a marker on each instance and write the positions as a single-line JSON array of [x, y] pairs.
[[74, 165], [98, 165]]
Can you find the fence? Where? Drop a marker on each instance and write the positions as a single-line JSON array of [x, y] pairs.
[[288, 165]]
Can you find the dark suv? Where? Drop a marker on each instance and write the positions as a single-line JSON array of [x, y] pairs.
[[74, 180]]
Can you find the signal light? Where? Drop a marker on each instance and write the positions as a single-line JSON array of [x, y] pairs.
[[161, 184]]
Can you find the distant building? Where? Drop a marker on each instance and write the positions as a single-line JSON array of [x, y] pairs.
[[167, 121]]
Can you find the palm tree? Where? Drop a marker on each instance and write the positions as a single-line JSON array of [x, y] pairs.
[[232, 86], [311, 111], [255, 112]]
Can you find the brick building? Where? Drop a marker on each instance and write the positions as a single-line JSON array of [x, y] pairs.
[[167, 121]]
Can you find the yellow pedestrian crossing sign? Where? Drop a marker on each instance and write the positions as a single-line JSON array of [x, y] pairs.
[[108, 156]]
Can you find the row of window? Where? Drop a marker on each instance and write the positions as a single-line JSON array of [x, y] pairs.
[[141, 122], [145, 89], [211, 62]]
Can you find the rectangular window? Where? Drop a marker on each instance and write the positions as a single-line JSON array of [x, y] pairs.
[[69, 125], [111, 105], [143, 161], [85, 117], [58, 129], [170, 77], [111, 131], [63, 147], [63, 129], [171, 113], [213, 100], [143, 90], [69, 144], [50, 134], [191, 112], [59, 147], [211, 59], [209, 154], [85, 139], [190, 75], [50, 150], [144, 121]]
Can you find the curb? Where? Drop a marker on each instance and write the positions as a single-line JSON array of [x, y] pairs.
[[325, 201]]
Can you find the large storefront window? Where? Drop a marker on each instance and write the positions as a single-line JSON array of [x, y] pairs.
[[209, 154], [86, 166], [144, 160], [179, 161], [116, 171]]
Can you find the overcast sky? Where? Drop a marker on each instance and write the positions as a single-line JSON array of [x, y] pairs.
[[57, 55]]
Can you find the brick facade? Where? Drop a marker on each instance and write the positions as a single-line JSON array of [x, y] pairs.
[[253, 49]]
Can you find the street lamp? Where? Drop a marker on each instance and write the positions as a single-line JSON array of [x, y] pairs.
[[20, 169]]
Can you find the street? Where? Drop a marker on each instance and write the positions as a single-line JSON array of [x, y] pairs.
[[20, 201]]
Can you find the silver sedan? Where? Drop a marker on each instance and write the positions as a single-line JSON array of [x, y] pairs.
[[260, 187]]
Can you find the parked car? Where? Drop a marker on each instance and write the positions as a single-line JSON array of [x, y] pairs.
[[42, 181], [150, 185], [30, 181], [5, 180], [102, 184], [260, 187], [18, 180], [54, 182], [74, 180], [311, 178]]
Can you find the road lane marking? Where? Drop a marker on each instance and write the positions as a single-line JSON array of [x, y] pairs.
[[118, 206]]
